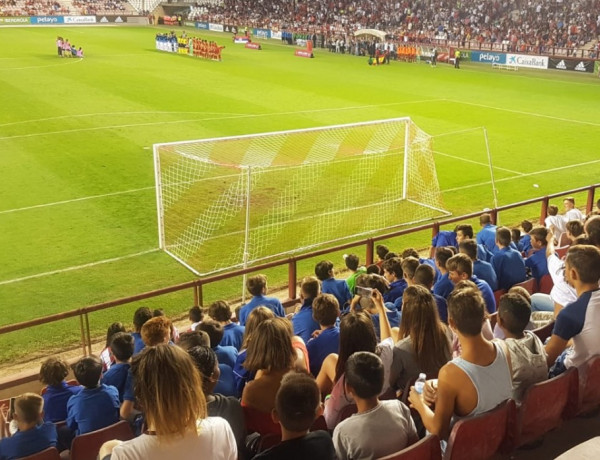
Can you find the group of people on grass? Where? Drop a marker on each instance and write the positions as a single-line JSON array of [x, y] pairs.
[[351, 345], [67, 49]]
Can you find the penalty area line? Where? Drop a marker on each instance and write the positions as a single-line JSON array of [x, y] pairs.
[[77, 267]]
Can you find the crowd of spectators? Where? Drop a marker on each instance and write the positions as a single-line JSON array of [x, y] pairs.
[[524, 25], [57, 7], [355, 345]]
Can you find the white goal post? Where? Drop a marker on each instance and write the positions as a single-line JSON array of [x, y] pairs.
[[229, 202]]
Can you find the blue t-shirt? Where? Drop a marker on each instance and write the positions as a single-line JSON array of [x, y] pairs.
[[271, 303], [483, 253], [487, 237], [128, 394], [442, 307], [226, 384], [55, 401], [339, 289], [484, 271], [509, 267], [241, 375], [92, 409], [320, 347], [393, 318], [233, 336], [25, 443], [486, 293], [117, 377], [226, 355], [395, 291], [431, 263], [138, 343], [524, 244], [443, 287], [303, 322], [444, 238], [538, 264]]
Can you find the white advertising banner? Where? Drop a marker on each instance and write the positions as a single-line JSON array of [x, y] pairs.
[[525, 60]]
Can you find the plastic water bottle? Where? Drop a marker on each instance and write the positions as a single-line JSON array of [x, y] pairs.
[[420, 383]]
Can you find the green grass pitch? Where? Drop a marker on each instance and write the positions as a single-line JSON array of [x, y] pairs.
[[76, 158]]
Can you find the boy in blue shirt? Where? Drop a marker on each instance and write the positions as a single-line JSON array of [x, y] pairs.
[[507, 262], [460, 267], [392, 272], [97, 405], [225, 354], [481, 269], [487, 234], [140, 317], [424, 276], [303, 322], [325, 311], [53, 373], [233, 334], [122, 349], [33, 435], [443, 286], [257, 286], [537, 262], [330, 285]]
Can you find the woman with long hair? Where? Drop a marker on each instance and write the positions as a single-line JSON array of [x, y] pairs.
[[168, 388], [357, 333], [424, 344]]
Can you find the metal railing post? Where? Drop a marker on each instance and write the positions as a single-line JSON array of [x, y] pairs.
[[590, 200], [81, 328], [369, 252], [89, 336], [292, 277], [199, 295]]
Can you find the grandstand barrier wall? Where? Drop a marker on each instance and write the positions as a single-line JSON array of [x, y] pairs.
[[113, 19], [196, 286]]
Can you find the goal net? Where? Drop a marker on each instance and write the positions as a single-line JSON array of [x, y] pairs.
[[230, 202]]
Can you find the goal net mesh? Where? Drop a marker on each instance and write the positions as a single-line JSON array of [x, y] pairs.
[[230, 202]]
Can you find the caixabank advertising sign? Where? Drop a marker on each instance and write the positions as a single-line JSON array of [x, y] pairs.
[[525, 60], [576, 65]]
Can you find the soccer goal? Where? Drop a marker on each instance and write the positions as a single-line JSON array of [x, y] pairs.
[[229, 202]]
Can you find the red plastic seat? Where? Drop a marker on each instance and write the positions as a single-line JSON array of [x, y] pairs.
[[562, 251], [530, 285], [497, 294], [51, 453], [589, 387], [348, 411], [319, 424], [427, 448], [87, 446], [543, 408], [260, 422], [545, 331], [481, 436], [546, 284]]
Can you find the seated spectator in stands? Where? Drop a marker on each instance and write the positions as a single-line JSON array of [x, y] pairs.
[[353, 264], [373, 269], [474, 383], [381, 250], [122, 348], [225, 354], [97, 405], [443, 287], [192, 339], [326, 311], [175, 411], [257, 286], [140, 316], [571, 212], [33, 434], [240, 374], [233, 334], [330, 285], [303, 322], [527, 355], [465, 232], [105, 355], [460, 268], [409, 266], [392, 272], [366, 303], [424, 341], [574, 229], [487, 234], [412, 252], [507, 262], [481, 269], [271, 356], [196, 315], [424, 276], [357, 333], [555, 223], [53, 373], [537, 262], [579, 320], [297, 405], [219, 405], [174, 331], [156, 330], [444, 238], [524, 244], [379, 428]]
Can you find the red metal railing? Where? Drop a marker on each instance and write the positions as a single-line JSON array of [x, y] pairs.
[[292, 262]]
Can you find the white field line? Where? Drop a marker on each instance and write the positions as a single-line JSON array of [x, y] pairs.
[[451, 133], [535, 173], [77, 267], [531, 114], [70, 61], [232, 117], [477, 162], [91, 197]]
